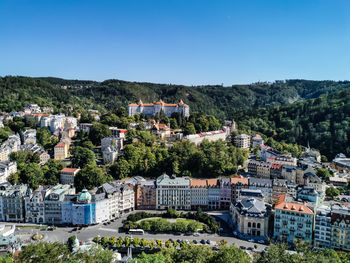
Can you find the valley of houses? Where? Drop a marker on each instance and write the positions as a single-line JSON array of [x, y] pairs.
[[278, 196]]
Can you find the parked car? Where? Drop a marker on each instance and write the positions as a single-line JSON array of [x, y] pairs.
[[251, 240], [208, 241], [195, 242], [250, 248], [196, 235], [242, 247], [203, 241], [261, 242]]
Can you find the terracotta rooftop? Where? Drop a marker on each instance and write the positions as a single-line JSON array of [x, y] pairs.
[[292, 207], [69, 170], [212, 182], [239, 179], [62, 144], [198, 182]]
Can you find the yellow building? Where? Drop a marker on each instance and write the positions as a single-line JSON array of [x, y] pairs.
[[61, 151]]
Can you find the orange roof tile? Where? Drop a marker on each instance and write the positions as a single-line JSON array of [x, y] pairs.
[[211, 182], [294, 207], [198, 182], [62, 144], [239, 179], [69, 170]]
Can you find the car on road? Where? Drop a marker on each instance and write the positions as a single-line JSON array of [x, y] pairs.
[[178, 241], [261, 242], [242, 247], [250, 248], [177, 233], [251, 240], [196, 234], [203, 241], [188, 233], [208, 241], [195, 242]]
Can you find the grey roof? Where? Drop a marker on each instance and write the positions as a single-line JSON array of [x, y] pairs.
[[251, 193], [251, 207], [260, 182], [165, 179]]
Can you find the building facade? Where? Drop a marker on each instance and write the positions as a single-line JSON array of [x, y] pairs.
[[250, 217], [173, 192], [150, 109]]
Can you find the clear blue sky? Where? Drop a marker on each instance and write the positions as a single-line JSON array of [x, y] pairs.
[[182, 41]]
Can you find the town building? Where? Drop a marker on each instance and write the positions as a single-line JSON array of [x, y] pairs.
[[13, 200], [242, 141], [29, 136], [53, 203], [225, 193], [250, 217], [150, 109], [146, 195], [61, 151], [211, 136], [279, 187], [238, 183], [173, 192], [7, 168], [213, 194], [257, 140], [341, 162], [162, 130], [67, 175], [110, 154], [323, 227], [292, 220], [265, 185], [35, 206], [308, 194], [276, 171], [251, 193], [199, 194], [340, 232], [289, 172]]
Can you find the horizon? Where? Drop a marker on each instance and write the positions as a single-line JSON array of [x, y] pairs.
[[179, 42], [175, 84]]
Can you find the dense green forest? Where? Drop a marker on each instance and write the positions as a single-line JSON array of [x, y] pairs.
[[323, 122], [108, 95]]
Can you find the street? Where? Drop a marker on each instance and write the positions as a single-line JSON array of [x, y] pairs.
[[61, 234]]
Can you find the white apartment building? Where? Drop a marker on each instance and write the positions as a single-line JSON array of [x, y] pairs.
[[6, 169], [173, 192], [242, 141]]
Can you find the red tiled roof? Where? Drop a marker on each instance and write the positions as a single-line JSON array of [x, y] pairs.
[[62, 144], [239, 179], [276, 166], [292, 207], [212, 182], [198, 182], [69, 170]]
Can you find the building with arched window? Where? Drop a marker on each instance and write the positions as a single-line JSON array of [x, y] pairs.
[[250, 217]]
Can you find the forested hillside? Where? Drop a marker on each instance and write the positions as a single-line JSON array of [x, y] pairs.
[[223, 102], [216, 100], [324, 122]]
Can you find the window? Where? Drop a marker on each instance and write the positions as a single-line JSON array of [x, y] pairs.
[[249, 224], [259, 226]]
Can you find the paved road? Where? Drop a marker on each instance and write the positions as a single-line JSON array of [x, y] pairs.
[[61, 234]]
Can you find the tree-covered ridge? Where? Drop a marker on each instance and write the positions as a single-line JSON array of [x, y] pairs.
[[323, 122], [217, 100], [108, 95]]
